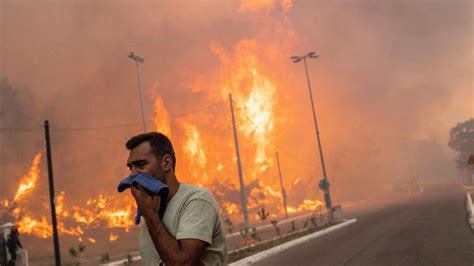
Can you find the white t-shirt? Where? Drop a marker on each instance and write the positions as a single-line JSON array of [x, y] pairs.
[[191, 213]]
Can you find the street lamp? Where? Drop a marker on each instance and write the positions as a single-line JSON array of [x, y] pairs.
[[324, 184], [137, 60]]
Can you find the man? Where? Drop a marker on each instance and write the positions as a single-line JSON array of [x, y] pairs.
[[190, 232], [13, 243]]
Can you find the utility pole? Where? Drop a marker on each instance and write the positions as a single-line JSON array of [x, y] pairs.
[[243, 197], [324, 184], [283, 191], [52, 198], [137, 60]]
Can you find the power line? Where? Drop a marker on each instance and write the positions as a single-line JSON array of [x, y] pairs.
[[137, 123], [59, 129], [307, 164], [20, 129], [96, 128], [96, 138]]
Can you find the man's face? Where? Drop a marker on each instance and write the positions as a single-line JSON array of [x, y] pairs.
[[142, 160]]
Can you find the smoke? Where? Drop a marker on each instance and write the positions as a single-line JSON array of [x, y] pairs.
[[388, 73]]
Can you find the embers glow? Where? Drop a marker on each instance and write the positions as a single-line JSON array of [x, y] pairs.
[[113, 237], [308, 205]]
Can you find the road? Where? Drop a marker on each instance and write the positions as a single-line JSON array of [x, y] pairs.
[[426, 229]]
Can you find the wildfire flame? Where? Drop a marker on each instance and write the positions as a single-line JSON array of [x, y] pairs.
[[162, 120], [113, 237], [206, 143], [108, 211], [254, 88], [29, 225], [242, 75], [306, 206], [28, 182], [115, 212], [193, 147]]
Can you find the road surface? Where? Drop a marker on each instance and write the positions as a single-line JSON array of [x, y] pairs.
[[426, 229]]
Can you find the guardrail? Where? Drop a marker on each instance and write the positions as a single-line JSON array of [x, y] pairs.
[[470, 211], [260, 229], [123, 262]]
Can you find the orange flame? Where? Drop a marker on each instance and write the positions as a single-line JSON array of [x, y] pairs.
[[254, 88], [193, 147], [254, 92], [113, 237], [60, 211], [101, 210], [114, 212], [162, 120], [28, 182], [40, 228], [306, 206]]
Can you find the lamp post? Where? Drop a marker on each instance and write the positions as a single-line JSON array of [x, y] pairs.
[[138, 60], [324, 184]]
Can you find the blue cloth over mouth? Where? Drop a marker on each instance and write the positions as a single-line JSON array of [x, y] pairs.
[[152, 185]]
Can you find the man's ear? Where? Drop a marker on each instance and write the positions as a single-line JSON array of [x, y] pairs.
[[167, 162]]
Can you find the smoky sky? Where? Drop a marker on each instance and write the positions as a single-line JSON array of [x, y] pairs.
[[387, 71]]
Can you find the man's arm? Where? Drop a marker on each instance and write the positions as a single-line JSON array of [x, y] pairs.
[[172, 251]]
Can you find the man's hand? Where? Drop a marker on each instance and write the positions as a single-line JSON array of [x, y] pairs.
[[148, 204]]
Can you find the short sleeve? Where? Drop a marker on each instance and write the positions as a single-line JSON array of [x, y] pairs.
[[197, 221]]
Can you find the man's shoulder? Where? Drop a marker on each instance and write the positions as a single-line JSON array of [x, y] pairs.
[[195, 192]]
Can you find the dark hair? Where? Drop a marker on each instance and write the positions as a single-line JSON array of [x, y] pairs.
[[160, 144]]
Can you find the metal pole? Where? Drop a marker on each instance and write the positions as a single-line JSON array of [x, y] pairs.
[[323, 166], [141, 97], [283, 192], [138, 60], [52, 198], [243, 197]]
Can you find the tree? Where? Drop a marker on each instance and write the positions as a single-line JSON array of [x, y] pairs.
[[461, 140], [430, 159]]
